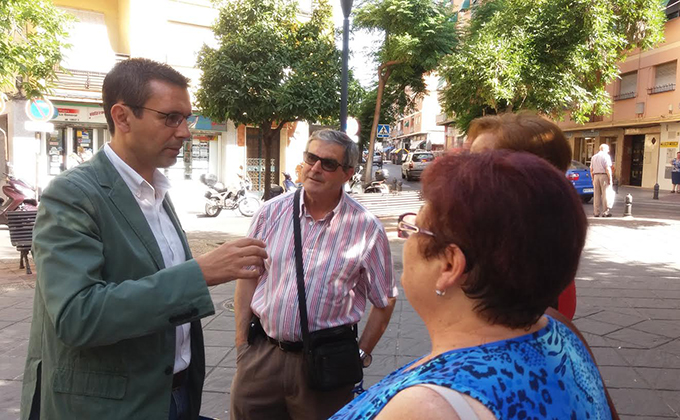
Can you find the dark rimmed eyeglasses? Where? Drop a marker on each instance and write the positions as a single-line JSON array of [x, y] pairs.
[[406, 226], [172, 119], [328, 165]]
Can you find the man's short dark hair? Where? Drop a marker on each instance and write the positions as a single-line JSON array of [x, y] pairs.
[[128, 82], [519, 222]]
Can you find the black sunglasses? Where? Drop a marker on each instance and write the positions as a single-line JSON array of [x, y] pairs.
[[328, 165], [172, 119]]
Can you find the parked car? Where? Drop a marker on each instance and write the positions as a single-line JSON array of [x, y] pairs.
[[579, 175], [377, 159], [415, 163]]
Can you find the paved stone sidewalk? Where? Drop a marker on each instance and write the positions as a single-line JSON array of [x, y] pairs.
[[629, 310]]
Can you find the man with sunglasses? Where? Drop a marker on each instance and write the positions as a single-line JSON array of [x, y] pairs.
[[116, 331], [347, 262]]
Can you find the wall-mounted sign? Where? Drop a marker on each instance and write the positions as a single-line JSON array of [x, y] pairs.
[[79, 113], [40, 110], [38, 126], [669, 144], [204, 123]]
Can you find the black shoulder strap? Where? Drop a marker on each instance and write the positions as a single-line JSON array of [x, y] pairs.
[[302, 301]]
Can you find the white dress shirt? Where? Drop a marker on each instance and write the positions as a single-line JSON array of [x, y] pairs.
[[150, 199]]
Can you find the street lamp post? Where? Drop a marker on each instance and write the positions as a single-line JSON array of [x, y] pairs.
[[346, 9]]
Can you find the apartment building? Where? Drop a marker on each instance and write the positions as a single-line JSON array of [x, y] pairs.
[[419, 130], [107, 31], [644, 127]]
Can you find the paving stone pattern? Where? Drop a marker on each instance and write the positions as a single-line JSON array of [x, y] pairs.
[[628, 288]]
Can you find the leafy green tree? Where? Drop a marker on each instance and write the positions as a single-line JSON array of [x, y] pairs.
[[544, 55], [416, 34], [32, 35], [270, 68]]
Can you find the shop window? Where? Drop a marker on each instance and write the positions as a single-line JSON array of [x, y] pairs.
[[82, 146], [627, 86], [55, 151], [664, 77]]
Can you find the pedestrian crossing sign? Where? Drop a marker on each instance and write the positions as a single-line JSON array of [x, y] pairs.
[[383, 131]]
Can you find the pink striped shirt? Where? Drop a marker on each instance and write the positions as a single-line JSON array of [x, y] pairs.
[[346, 258]]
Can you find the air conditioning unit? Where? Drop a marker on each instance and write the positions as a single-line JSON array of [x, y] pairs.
[[640, 108]]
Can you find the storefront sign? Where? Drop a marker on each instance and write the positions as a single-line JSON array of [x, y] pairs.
[[38, 126], [204, 123], [78, 113], [669, 144], [644, 130], [590, 134]]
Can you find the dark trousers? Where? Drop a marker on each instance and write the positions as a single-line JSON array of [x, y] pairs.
[[271, 384]]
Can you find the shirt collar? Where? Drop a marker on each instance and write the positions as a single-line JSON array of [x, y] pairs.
[[331, 214], [138, 185]]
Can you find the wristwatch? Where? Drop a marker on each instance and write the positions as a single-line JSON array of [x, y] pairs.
[[366, 358]]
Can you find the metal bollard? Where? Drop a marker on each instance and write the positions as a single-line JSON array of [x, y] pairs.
[[628, 208], [394, 185], [399, 186], [656, 191]]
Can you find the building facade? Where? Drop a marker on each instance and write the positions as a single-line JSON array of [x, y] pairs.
[[643, 129], [419, 129], [105, 32]]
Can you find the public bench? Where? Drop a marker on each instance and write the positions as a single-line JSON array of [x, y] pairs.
[[20, 225]]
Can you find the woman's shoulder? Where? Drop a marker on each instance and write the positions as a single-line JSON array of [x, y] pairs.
[[424, 402]]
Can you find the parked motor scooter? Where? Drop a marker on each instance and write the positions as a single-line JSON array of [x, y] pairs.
[[288, 184], [355, 184], [20, 197], [218, 197]]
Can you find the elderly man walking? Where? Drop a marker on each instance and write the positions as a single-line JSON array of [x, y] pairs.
[[601, 172], [343, 261]]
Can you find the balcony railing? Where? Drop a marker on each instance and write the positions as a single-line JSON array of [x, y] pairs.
[[626, 95], [80, 80], [661, 88]]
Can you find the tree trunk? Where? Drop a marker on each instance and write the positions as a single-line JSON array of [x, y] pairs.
[[268, 136], [382, 81]]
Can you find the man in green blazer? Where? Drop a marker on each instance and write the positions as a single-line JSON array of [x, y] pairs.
[[116, 330]]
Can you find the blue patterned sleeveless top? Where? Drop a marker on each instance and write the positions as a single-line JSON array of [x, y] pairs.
[[548, 374]]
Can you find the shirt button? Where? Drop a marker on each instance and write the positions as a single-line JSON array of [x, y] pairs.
[[311, 223], [168, 370]]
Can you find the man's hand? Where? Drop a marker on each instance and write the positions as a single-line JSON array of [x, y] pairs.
[[229, 261]]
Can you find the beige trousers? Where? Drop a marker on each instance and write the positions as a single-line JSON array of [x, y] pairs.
[[270, 384], [600, 184]]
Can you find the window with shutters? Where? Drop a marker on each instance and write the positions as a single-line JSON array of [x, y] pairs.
[[664, 77], [672, 9], [627, 86]]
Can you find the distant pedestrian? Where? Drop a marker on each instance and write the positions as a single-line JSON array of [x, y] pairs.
[[601, 172], [675, 174]]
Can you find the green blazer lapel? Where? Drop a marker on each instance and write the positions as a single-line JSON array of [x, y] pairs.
[[122, 198], [170, 209]]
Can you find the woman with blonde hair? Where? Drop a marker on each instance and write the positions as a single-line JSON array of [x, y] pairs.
[[533, 134]]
